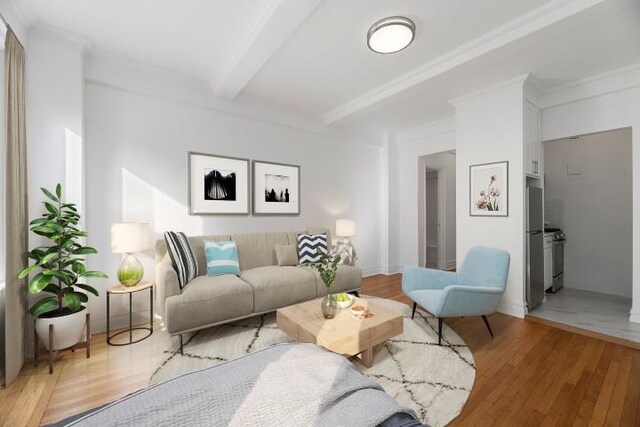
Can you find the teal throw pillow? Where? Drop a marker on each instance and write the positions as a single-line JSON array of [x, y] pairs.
[[222, 258]]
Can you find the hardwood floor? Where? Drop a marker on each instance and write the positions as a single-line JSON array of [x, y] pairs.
[[530, 374]]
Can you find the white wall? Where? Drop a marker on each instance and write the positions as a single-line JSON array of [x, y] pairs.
[[446, 162], [136, 170], [54, 76], [489, 128], [593, 208], [613, 110], [54, 97]]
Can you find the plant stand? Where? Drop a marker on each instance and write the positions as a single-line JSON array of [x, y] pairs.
[[52, 353]]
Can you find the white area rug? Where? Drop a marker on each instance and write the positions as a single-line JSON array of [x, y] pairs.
[[434, 381]]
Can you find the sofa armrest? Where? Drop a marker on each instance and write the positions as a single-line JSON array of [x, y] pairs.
[[166, 284], [417, 278]]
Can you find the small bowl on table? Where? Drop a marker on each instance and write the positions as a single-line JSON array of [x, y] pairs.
[[345, 304], [359, 310]]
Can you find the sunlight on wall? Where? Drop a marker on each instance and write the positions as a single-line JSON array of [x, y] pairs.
[[142, 202], [74, 169], [335, 205]]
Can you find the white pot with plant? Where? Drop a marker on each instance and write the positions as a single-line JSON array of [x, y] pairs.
[[59, 270]]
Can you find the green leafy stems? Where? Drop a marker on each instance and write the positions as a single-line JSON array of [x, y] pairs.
[[326, 266], [60, 266]]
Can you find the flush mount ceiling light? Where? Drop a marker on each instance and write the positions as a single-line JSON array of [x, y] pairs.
[[391, 34]]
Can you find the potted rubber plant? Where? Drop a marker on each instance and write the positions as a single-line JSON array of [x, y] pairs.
[[59, 271], [327, 266]]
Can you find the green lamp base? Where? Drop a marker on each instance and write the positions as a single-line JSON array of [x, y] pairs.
[[130, 272]]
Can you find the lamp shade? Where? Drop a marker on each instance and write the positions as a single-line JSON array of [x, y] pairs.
[[345, 228], [129, 237]]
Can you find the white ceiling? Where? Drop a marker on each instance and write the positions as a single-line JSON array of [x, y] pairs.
[[311, 55], [327, 62], [187, 36]]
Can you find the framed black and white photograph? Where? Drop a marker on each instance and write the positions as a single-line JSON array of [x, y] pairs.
[[218, 185], [276, 189], [489, 189]]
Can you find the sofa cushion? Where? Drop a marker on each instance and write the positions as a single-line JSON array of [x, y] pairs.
[[222, 258], [287, 255], [276, 287], [258, 249], [207, 300], [348, 278]]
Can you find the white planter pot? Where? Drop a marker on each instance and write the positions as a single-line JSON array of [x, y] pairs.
[[67, 330]]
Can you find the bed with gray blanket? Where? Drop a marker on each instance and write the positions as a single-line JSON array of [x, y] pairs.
[[282, 385]]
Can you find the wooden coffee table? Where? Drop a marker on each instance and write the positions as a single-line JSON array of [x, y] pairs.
[[344, 334]]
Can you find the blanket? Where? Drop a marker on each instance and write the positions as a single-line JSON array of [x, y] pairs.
[[282, 385]]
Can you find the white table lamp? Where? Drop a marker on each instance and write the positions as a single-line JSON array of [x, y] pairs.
[[127, 238], [346, 228]]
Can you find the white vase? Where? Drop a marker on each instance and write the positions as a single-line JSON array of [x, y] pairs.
[[67, 330]]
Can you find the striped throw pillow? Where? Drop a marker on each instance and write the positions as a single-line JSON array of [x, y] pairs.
[[308, 246], [222, 258], [182, 257]]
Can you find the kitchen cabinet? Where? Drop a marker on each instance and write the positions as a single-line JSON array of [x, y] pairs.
[[532, 143]]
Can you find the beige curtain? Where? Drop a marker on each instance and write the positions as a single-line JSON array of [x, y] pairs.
[[16, 206]]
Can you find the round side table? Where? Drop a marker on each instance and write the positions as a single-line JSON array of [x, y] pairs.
[[130, 290]]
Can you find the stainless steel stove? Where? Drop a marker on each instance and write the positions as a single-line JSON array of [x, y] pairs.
[[558, 239]]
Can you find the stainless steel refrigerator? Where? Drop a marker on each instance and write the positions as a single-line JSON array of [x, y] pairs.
[[535, 247]]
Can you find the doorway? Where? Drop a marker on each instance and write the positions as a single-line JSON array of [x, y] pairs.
[[436, 211], [433, 257], [588, 200]]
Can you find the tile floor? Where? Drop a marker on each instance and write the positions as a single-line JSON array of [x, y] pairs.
[[606, 314]]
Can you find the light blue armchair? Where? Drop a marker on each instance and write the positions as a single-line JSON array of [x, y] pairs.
[[474, 291]]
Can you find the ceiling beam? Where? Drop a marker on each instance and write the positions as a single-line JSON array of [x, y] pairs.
[[275, 23], [541, 17]]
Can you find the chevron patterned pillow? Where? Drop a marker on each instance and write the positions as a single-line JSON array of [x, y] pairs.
[[308, 245]]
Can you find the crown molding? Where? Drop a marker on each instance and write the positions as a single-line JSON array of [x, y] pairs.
[[533, 91], [602, 84], [136, 77], [518, 81], [428, 130], [541, 17], [51, 32]]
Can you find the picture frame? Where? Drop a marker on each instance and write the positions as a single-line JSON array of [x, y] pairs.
[[218, 185], [276, 188], [489, 189]]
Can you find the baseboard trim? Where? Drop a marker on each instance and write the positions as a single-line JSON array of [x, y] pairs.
[[371, 271], [512, 309]]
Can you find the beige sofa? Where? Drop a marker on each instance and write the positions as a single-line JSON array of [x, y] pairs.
[[261, 287]]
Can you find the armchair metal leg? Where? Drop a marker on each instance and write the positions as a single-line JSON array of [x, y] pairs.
[[413, 312], [486, 322], [181, 350], [440, 320]]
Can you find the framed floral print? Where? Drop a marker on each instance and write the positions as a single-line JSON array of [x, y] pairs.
[[489, 189]]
